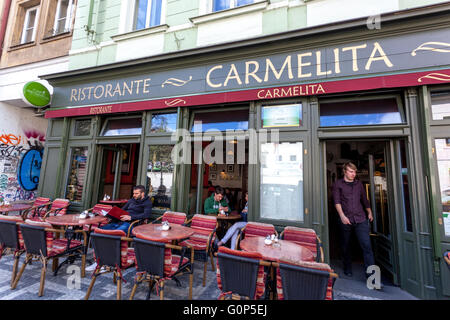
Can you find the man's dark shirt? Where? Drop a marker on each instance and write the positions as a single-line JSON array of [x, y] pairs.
[[139, 209], [352, 197]]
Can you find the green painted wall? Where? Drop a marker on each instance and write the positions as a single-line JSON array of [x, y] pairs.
[[187, 40], [179, 11]]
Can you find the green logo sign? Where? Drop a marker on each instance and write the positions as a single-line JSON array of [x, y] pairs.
[[36, 94]]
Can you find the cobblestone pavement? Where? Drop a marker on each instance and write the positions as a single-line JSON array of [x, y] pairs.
[[65, 287]]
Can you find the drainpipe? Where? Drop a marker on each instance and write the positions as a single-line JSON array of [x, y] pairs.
[[4, 23]]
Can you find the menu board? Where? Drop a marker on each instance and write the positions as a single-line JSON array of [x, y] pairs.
[[289, 115]]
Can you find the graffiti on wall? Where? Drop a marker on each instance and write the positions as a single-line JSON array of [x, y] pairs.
[[20, 164]]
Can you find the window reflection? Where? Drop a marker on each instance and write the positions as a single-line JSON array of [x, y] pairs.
[[443, 162], [282, 181], [123, 127], [366, 112], [440, 105], [160, 170], [221, 121], [77, 174], [164, 122]]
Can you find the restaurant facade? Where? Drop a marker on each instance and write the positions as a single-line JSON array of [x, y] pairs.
[[276, 116]]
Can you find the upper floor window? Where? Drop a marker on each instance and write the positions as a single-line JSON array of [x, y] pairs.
[[147, 13], [228, 4], [30, 25], [63, 16]]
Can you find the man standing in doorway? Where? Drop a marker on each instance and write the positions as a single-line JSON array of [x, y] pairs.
[[350, 200]]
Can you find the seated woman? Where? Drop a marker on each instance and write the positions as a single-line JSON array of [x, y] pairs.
[[234, 230]]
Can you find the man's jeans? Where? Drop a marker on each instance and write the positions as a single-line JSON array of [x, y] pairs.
[[362, 233], [120, 225]]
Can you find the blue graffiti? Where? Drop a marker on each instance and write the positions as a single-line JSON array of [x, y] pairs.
[[29, 169]]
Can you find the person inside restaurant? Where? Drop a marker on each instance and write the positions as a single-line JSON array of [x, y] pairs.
[[216, 203], [139, 207], [234, 230]]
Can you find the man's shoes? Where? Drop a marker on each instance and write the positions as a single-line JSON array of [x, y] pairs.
[[348, 273]]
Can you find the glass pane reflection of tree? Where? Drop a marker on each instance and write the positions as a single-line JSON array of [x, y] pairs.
[[160, 171]]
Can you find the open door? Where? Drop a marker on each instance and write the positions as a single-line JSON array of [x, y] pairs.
[[118, 170]]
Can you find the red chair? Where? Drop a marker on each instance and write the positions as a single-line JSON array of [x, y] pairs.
[[240, 274], [306, 238], [57, 208], [172, 217], [113, 253], [155, 264], [39, 208], [253, 229], [292, 280], [40, 244], [204, 233], [11, 238]]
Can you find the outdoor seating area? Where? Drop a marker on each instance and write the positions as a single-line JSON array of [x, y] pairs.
[[264, 265]]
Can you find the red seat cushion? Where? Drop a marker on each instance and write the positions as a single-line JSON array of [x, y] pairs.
[[174, 217], [203, 226], [302, 236], [305, 264], [60, 203], [60, 245], [261, 278], [258, 229]]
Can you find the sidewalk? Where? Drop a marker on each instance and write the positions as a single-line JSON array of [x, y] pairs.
[[62, 287]]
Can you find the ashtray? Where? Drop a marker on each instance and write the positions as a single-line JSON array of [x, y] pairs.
[[268, 242]]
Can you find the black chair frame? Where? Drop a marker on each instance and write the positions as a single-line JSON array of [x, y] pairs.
[[9, 239], [36, 250], [150, 261], [238, 275], [107, 249]]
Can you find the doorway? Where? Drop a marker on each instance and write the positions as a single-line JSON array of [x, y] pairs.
[[118, 170], [230, 173], [372, 159]]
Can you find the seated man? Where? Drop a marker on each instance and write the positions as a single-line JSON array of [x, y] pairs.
[[216, 203], [139, 207]]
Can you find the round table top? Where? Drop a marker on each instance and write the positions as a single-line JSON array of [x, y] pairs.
[[154, 232], [285, 250], [117, 201], [74, 220], [15, 207]]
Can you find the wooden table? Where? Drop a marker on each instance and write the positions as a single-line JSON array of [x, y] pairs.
[[117, 202], [73, 220], [14, 207], [284, 250], [154, 232]]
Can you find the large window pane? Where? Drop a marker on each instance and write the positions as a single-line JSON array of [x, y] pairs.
[[282, 181], [365, 112], [141, 13], [123, 127], [221, 121], [440, 105], [443, 163], [287, 115], [221, 4], [164, 122], [155, 14], [160, 171], [77, 174]]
